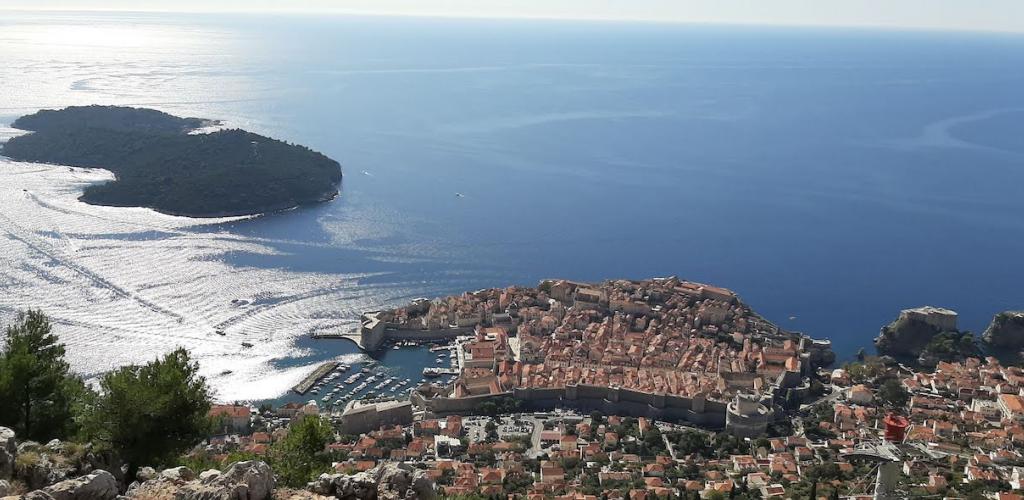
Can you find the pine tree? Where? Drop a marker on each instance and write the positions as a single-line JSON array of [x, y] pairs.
[[299, 458], [149, 414], [38, 394]]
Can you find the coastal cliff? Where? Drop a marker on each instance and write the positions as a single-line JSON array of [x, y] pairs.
[[1006, 331], [913, 329], [925, 336], [161, 162]]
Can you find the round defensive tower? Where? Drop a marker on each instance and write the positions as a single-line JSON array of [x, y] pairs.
[[747, 417]]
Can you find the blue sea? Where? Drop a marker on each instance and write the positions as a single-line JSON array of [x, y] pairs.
[[831, 177]]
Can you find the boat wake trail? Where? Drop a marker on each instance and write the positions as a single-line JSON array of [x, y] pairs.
[[124, 285]]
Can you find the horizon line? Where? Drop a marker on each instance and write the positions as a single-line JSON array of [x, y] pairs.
[[468, 16]]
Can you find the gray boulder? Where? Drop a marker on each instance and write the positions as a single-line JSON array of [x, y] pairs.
[[384, 482], [255, 475], [242, 481], [28, 446], [290, 494], [423, 486], [99, 485], [41, 471], [178, 474], [55, 445], [5, 488], [145, 474], [400, 481], [323, 485], [8, 452], [37, 495], [359, 486]]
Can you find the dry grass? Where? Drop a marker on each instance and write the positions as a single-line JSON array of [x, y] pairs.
[[26, 460]]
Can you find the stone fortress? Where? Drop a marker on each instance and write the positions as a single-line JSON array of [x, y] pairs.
[[662, 348], [937, 317]]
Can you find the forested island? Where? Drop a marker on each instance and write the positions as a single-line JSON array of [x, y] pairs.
[[160, 163]]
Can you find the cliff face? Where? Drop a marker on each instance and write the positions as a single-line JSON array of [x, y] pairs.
[[1006, 331], [904, 337], [913, 330]]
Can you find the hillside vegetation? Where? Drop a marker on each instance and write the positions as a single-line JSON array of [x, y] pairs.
[[158, 164]]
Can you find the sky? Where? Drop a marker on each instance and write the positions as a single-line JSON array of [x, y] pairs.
[[973, 15]]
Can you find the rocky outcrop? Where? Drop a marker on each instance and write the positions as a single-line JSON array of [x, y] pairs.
[[385, 482], [397, 482], [99, 485], [38, 466], [71, 471], [37, 495], [293, 494], [360, 485], [8, 452], [178, 474], [1006, 331], [39, 469], [912, 331], [256, 476], [55, 445], [145, 474], [242, 481]]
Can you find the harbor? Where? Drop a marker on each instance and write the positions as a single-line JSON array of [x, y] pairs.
[[307, 383], [388, 373]]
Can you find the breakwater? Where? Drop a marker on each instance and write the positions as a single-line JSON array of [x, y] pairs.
[[311, 379]]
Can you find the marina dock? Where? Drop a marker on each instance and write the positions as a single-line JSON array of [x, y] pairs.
[[311, 379]]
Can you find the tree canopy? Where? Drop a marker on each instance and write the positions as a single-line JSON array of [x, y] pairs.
[[300, 457], [37, 392], [893, 393], [150, 414]]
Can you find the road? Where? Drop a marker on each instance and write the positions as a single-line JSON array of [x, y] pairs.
[[830, 398]]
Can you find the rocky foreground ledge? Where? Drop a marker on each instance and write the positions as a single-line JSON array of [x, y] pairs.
[[59, 471]]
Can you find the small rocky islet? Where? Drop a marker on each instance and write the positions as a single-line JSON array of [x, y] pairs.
[[927, 335]]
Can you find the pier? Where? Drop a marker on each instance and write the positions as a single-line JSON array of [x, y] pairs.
[[311, 379], [336, 335]]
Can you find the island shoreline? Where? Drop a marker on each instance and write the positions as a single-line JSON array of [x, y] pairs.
[[159, 162]]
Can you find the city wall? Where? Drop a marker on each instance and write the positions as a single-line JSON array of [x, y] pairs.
[[586, 398], [374, 332], [426, 335]]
